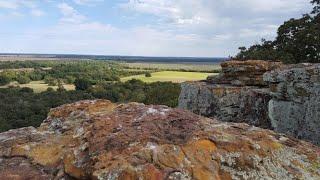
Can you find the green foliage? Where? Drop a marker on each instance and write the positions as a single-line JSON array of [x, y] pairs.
[[82, 84], [4, 79], [316, 8], [298, 41], [37, 75], [60, 86], [70, 80], [23, 79], [50, 81], [148, 74], [20, 107]]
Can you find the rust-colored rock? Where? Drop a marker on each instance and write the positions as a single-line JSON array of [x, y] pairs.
[[100, 140]]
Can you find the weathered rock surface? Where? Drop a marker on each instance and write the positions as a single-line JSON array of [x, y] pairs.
[[229, 103], [101, 140], [244, 73], [286, 99], [295, 106]]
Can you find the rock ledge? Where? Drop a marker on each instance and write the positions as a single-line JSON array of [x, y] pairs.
[[100, 140]]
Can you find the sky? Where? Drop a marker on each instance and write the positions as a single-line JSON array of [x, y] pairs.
[[197, 28]]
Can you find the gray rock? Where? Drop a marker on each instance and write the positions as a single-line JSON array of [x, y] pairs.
[[290, 102]]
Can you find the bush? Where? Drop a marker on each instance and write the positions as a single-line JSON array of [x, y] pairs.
[[4, 80], [23, 79], [50, 81], [82, 84], [148, 74], [50, 89], [26, 90]]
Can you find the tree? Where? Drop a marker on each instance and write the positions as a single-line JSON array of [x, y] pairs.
[[4, 80], [50, 81], [297, 41], [60, 86], [301, 39], [82, 84], [316, 8], [148, 74], [23, 79]]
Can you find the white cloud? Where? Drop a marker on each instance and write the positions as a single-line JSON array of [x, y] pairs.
[[87, 2], [70, 15], [8, 4], [37, 12], [178, 12], [173, 28]]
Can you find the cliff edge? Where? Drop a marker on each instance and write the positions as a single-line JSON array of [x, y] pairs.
[[100, 140], [284, 98]]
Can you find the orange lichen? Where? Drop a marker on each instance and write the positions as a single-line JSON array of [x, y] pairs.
[[46, 154], [71, 169]]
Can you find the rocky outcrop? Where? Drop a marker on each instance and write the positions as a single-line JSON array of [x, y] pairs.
[[295, 106], [101, 140], [229, 103], [244, 73], [265, 94]]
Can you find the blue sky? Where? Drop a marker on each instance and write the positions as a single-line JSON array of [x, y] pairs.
[[203, 28]]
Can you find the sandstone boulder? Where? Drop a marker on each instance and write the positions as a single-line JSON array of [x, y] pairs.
[[244, 73], [100, 140]]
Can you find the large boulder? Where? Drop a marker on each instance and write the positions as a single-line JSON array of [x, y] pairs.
[[295, 105], [101, 140], [248, 104]]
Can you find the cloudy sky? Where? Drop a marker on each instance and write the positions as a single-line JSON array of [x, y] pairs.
[[203, 28]]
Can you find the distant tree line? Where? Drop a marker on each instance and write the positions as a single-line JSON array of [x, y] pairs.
[[297, 41], [64, 71]]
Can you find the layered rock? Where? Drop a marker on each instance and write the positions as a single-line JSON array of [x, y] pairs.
[[229, 103], [269, 95], [101, 140], [244, 73]]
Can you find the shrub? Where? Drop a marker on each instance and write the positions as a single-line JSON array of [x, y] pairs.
[[148, 74], [82, 84], [23, 79], [4, 80]]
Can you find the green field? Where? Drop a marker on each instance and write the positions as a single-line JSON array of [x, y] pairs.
[[174, 67], [39, 86], [173, 76]]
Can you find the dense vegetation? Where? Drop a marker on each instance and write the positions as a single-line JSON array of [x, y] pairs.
[[20, 107], [298, 41], [64, 71]]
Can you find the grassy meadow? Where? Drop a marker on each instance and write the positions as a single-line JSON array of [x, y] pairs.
[[38, 86], [209, 68], [172, 76]]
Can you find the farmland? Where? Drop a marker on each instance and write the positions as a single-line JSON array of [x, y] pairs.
[[170, 76], [209, 68]]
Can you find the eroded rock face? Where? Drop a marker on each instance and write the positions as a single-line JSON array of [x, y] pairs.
[[295, 106], [285, 99], [244, 73], [229, 103], [101, 140]]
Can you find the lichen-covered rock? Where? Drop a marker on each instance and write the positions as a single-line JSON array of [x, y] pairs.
[[229, 103], [244, 73], [295, 106], [287, 101], [100, 140]]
